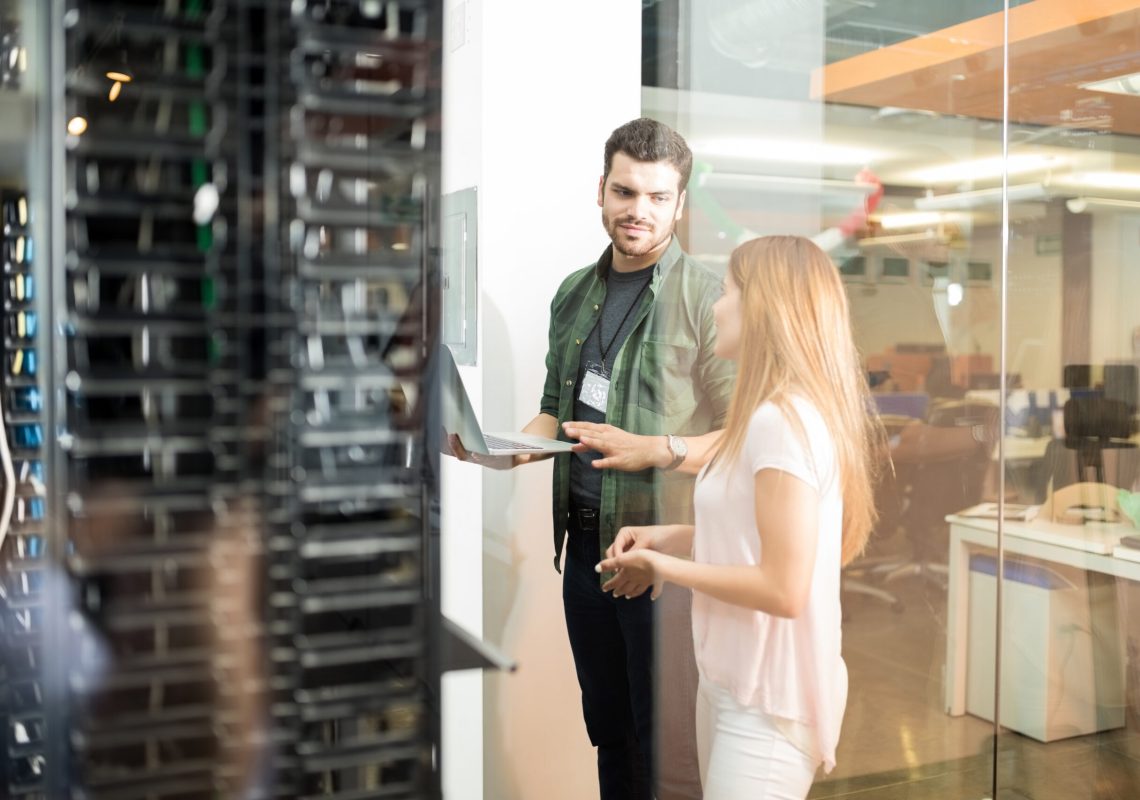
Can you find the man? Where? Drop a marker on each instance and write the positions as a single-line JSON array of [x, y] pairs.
[[630, 356]]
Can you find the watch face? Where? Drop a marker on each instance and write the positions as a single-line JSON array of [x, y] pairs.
[[678, 446]]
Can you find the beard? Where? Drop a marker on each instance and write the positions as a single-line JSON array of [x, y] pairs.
[[633, 247]]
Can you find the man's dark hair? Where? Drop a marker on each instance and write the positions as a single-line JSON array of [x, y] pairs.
[[649, 140]]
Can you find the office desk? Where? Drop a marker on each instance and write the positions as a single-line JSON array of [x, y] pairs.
[[1088, 547], [1023, 448]]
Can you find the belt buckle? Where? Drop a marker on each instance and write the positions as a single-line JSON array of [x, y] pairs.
[[587, 517]]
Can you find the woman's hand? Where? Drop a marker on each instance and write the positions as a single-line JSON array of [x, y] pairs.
[[636, 537], [637, 568], [674, 540]]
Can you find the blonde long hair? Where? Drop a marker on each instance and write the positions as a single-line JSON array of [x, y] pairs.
[[795, 338]]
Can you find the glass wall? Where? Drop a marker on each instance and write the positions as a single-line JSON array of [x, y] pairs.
[[993, 288], [1072, 404]]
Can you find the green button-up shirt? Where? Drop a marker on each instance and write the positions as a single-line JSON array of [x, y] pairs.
[[665, 379]]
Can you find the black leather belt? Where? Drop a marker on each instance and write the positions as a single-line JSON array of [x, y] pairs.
[[584, 519]]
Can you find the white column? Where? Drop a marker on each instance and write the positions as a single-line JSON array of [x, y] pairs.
[[529, 99]]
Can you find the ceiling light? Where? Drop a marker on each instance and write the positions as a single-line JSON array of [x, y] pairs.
[[982, 197], [1079, 205], [900, 238], [121, 77], [1122, 84], [1102, 180], [917, 219], [77, 126], [787, 151], [897, 111], [983, 168], [780, 183], [954, 294]]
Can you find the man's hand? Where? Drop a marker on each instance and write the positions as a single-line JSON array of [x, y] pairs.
[[620, 449], [460, 452]]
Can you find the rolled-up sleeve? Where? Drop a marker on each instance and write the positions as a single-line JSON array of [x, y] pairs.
[[552, 387]]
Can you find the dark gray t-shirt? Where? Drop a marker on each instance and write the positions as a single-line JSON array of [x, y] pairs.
[[624, 292]]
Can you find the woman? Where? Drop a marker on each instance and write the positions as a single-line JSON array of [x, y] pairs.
[[783, 504]]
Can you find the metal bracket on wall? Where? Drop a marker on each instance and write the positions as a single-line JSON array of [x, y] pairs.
[[461, 649], [460, 288]]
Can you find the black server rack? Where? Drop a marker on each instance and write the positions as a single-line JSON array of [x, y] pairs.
[[219, 578]]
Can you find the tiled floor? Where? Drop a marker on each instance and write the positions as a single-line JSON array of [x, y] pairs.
[[898, 744]]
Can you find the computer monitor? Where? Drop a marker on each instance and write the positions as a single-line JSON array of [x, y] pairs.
[[1119, 381], [903, 404]]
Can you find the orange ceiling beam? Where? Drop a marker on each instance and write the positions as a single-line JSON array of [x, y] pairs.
[[1055, 45]]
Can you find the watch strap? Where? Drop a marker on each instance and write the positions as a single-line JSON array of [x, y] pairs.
[[678, 458]]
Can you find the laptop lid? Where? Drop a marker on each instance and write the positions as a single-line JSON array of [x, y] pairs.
[[459, 418], [456, 412]]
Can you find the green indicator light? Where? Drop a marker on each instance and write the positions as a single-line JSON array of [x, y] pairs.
[[198, 121], [195, 62], [199, 172], [209, 294]]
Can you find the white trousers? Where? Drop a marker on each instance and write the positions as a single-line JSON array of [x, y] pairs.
[[743, 755]]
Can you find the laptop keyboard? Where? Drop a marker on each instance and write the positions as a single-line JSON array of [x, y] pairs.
[[495, 443]]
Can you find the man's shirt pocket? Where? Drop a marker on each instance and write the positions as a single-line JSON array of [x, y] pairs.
[[665, 378]]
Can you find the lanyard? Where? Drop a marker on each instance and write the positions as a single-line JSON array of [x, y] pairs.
[[605, 349]]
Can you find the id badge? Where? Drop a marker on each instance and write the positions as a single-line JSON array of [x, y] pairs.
[[595, 390]]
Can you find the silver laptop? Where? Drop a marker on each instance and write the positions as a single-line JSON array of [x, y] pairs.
[[459, 418]]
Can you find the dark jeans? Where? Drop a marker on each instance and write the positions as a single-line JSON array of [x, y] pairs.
[[612, 642]]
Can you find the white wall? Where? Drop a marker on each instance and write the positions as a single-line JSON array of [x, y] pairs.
[[885, 314], [1115, 286], [529, 101], [460, 543], [1034, 306]]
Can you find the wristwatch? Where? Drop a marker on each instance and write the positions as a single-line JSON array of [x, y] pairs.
[[678, 449]]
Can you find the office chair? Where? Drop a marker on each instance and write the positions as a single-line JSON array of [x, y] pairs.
[[864, 576], [1095, 448], [935, 488]]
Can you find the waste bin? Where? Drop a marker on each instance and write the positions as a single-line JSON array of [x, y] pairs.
[[1062, 661]]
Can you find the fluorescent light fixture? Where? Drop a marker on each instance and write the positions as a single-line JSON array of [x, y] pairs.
[[786, 151], [900, 238], [1079, 205], [917, 219], [982, 197], [1122, 84], [983, 168], [779, 183], [1129, 181]]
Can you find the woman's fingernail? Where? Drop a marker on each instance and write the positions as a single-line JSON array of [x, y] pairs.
[[597, 567]]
